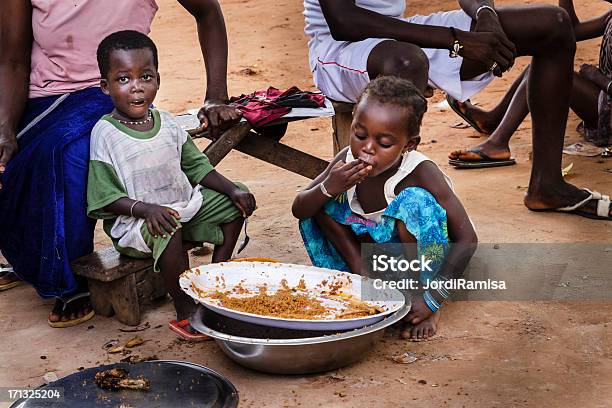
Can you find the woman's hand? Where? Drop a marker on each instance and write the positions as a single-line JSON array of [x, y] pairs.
[[345, 175], [244, 201], [160, 220], [8, 148], [217, 116], [419, 310]]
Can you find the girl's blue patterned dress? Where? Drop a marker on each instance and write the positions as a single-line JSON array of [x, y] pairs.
[[424, 218]]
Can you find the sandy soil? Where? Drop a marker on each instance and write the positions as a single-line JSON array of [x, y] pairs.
[[486, 353]]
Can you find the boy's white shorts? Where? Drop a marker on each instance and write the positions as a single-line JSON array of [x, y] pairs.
[[340, 67]]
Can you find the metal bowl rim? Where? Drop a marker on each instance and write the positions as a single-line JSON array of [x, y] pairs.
[[196, 323]]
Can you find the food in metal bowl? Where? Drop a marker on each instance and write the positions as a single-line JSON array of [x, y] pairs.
[[294, 302]]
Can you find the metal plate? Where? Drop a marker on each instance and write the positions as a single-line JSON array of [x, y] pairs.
[[251, 275], [296, 355], [173, 384]]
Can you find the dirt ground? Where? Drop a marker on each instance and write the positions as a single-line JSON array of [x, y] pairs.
[[490, 354]]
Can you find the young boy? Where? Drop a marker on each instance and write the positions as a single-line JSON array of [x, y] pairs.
[[381, 190], [147, 179]]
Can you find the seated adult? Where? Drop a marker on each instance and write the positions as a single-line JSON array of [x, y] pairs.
[[49, 103], [590, 100], [459, 52]]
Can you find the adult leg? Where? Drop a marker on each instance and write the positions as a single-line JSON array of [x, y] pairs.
[[583, 102], [488, 121], [399, 59], [78, 229], [342, 238], [545, 32], [497, 145]]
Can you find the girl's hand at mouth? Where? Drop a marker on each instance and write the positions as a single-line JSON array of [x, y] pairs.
[[343, 176]]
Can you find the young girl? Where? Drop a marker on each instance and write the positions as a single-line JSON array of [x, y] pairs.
[[147, 179], [380, 190]]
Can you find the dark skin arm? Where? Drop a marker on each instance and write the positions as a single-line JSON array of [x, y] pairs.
[[588, 29], [348, 22], [215, 114], [460, 230], [15, 50], [594, 74], [337, 178], [243, 200], [161, 220]]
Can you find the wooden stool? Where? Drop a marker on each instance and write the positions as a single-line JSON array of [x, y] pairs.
[[121, 285], [341, 123]]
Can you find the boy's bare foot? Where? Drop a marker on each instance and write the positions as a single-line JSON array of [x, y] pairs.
[[558, 196], [422, 331], [67, 313], [473, 115], [485, 150], [184, 306]]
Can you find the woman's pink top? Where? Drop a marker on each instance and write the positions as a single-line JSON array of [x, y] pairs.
[[66, 37]]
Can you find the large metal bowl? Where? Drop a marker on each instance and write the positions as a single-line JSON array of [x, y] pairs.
[[299, 355]]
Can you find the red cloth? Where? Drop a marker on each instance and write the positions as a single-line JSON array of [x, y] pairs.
[[262, 107]]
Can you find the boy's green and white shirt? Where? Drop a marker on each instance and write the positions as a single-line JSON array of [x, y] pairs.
[[160, 166]]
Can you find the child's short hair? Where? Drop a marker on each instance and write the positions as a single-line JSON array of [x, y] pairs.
[[399, 92], [123, 40]]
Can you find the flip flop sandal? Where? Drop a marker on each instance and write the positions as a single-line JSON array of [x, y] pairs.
[[182, 329], [454, 105], [5, 271], [603, 207], [485, 161], [69, 323]]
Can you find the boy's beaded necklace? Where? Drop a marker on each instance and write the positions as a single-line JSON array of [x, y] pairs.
[[134, 122]]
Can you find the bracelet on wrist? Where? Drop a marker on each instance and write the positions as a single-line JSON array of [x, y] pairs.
[[456, 46], [132, 207], [324, 191], [485, 7]]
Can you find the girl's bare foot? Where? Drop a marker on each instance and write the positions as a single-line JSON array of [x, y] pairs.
[[422, 331]]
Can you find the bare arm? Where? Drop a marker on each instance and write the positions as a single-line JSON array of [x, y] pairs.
[[461, 233], [586, 30], [213, 42], [568, 5], [243, 200], [348, 22], [460, 230], [15, 50], [311, 199], [592, 28], [337, 178]]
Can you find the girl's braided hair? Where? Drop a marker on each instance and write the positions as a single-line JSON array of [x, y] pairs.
[[399, 92]]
